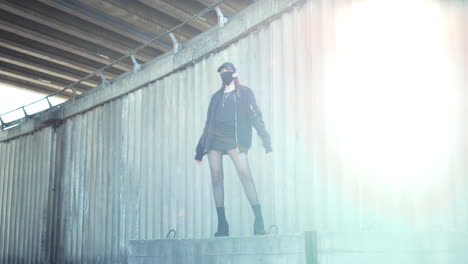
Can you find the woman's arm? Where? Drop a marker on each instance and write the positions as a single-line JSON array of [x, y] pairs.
[[200, 149], [257, 121]]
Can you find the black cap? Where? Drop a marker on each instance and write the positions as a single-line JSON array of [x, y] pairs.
[[227, 65]]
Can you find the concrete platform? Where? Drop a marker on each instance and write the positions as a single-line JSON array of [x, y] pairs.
[[229, 250], [308, 248]]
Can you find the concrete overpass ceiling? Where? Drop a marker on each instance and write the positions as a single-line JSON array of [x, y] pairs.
[[46, 45]]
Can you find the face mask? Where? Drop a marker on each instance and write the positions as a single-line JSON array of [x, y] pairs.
[[226, 77]]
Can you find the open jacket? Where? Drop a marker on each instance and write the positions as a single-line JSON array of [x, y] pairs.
[[247, 114]]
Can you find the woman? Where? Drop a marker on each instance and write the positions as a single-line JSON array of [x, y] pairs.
[[228, 130]]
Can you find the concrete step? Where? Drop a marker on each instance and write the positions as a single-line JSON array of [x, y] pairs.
[[226, 250]]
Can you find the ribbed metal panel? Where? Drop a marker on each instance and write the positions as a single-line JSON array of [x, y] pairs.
[[25, 174], [125, 169]]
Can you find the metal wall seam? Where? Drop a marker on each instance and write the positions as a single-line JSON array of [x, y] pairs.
[[73, 209], [49, 199], [65, 242], [18, 202], [9, 206], [112, 182], [84, 230], [81, 182], [3, 164], [3, 187], [144, 136], [156, 153], [124, 176], [116, 169], [4, 202], [92, 249], [34, 169], [27, 208], [151, 169], [46, 189]]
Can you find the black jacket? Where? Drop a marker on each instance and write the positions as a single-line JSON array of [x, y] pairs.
[[247, 115]]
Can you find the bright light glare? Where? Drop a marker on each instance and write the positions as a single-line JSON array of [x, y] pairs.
[[12, 98], [391, 94]]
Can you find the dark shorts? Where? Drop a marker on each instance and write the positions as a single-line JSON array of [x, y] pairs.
[[224, 144]]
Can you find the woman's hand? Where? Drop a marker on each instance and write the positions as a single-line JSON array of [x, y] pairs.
[[198, 161], [269, 154]]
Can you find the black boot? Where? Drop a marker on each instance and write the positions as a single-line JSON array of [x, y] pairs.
[[223, 226], [259, 228]]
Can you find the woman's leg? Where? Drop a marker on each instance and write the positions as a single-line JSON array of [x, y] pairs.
[[215, 159], [243, 170]]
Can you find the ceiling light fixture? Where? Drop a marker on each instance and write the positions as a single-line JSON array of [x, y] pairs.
[[102, 56], [46, 81]]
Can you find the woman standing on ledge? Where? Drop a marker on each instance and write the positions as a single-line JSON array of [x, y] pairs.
[[228, 130]]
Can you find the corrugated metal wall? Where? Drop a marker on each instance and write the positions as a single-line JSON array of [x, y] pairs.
[[26, 171], [125, 170]]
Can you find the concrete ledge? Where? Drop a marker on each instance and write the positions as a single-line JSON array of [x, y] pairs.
[[332, 248], [208, 42], [264, 249]]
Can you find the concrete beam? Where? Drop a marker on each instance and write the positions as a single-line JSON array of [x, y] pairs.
[[171, 10], [37, 77], [193, 7], [143, 19], [30, 63], [25, 85], [156, 16], [95, 18], [60, 60], [35, 12], [214, 40], [228, 8], [59, 44]]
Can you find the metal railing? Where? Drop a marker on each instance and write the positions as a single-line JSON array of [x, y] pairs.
[[136, 67]]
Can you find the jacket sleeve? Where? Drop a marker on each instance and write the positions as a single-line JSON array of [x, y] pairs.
[[256, 118], [200, 149]]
